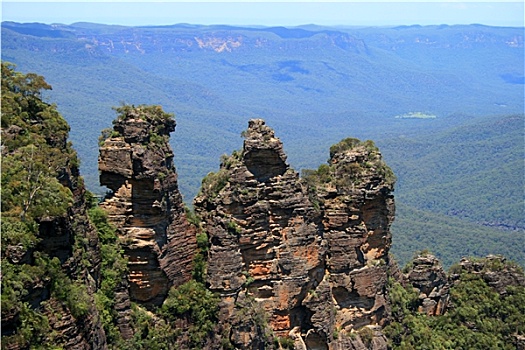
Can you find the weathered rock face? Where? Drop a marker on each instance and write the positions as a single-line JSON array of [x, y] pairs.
[[312, 254], [427, 276], [358, 212], [145, 205], [494, 270], [71, 239]]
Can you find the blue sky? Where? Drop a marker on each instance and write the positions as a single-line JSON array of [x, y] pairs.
[[267, 13]]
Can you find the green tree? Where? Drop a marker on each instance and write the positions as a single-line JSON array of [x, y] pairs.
[[39, 171]]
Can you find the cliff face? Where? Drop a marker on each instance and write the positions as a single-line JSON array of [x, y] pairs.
[[309, 255], [136, 163], [50, 251]]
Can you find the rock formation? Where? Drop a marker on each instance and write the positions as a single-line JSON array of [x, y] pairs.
[[427, 276], [295, 262], [136, 164], [309, 255], [494, 270]]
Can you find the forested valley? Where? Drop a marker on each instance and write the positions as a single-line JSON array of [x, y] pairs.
[[460, 174], [56, 239]]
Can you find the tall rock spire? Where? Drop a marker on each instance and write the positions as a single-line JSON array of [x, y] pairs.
[[300, 259], [136, 164]]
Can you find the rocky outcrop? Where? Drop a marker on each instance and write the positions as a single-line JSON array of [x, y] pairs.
[[311, 253], [136, 164], [494, 270], [427, 276]]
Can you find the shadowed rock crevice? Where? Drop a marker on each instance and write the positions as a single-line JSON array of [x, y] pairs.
[[264, 164], [263, 154]]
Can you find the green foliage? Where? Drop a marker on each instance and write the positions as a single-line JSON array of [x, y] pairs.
[[284, 343], [18, 233], [344, 145], [34, 328], [480, 318], [193, 302], [30, 186], [201, 255], [347, 174], [366, 335], [213, 183], [18, 279], [185, 320], [37, 123], [323, 175], [227, 162], [160, 124], [151, 113], [233, 228], [202, 241], [113, 271], [151, 332], [250, 314], [35, 154], [72, 293], [106, 134], [199, 267], [249, 279], [192, 217], [200, 258]]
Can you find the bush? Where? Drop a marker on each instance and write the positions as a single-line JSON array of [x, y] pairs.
[[213, 183], [344, 145], [193, 302], [113, 270]]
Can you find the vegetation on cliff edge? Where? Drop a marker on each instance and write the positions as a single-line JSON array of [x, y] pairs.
[[478, 316], [39, 173]]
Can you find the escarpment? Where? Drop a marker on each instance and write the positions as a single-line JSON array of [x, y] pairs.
[[311, 253], [50, 251], [145, 205]]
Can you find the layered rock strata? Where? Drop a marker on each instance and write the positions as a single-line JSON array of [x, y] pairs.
[[136, 164], [426, 275], [312, 254]]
